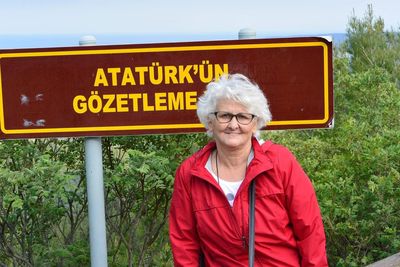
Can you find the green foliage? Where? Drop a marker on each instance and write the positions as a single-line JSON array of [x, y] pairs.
[[38, 191], [43, 204], [139, 189], [371, 46], [364, 182], [34, 188]]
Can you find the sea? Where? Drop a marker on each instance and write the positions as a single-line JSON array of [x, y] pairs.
[[69, 40]]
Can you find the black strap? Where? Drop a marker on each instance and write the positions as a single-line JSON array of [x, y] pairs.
[[201, 260], [252, 200]]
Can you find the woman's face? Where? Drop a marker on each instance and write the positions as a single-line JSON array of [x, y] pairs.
[[232, 134]]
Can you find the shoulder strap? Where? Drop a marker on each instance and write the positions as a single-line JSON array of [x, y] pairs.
[[252, 200]]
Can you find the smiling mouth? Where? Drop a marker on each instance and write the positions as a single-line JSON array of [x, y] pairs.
[[231, 133]]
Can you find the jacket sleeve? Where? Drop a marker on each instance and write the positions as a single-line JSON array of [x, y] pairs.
[[304, 212], [182, 228]]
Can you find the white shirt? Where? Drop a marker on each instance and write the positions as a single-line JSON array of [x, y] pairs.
[[229, 188]]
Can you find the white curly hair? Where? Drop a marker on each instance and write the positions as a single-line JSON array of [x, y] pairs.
[[238, 88]]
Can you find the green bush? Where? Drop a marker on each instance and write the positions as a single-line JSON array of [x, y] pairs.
[[355, 167]]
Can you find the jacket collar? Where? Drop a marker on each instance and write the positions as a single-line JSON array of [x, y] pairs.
[[200, 160], [260, 163]]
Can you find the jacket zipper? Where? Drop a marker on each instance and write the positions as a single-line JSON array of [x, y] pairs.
[[244, 241], [233, 219], [236, 226], [243, 231]]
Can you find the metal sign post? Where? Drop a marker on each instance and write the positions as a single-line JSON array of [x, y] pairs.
[[95, 191], [248, 33]]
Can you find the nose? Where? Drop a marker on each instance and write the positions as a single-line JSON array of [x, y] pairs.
[[233, 124]]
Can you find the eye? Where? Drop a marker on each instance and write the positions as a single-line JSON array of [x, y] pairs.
[[225, 116], [244, 116]]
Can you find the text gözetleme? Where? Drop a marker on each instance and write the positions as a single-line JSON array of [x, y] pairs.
[[144, 75]]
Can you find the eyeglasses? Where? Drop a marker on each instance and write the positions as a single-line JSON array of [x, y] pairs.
[[242, 118]]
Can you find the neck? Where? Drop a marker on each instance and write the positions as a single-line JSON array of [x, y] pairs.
[[233, 157]]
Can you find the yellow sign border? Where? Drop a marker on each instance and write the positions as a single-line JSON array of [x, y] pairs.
[[163, 49]]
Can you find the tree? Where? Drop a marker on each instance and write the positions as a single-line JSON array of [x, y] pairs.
[[371, 46], [41, 203]]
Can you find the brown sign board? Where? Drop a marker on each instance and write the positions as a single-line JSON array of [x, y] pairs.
[[153, 88]]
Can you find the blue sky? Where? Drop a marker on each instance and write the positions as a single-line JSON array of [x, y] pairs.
[[179, 17], [173, 16]]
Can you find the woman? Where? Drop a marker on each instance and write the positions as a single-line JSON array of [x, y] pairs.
[[210, 203]]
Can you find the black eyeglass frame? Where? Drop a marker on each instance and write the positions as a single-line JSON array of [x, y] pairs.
[[231, 115]]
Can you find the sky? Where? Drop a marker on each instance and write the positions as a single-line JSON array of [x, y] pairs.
[[180, 17]]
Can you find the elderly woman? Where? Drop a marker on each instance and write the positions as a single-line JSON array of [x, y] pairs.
[[209, 214]]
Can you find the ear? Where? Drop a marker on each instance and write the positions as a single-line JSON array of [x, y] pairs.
[[255, 128], [210, 123]]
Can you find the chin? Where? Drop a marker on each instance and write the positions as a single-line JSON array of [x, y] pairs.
[[234, 142]]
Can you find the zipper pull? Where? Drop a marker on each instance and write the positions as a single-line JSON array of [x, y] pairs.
[[244, 241]]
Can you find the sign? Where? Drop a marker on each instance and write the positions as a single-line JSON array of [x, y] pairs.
[[153, 88]]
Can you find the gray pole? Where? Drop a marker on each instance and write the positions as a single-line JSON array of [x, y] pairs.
[[247, 33], [95, 191]]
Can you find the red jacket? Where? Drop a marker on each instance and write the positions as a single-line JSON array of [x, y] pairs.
[[288, 224]]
